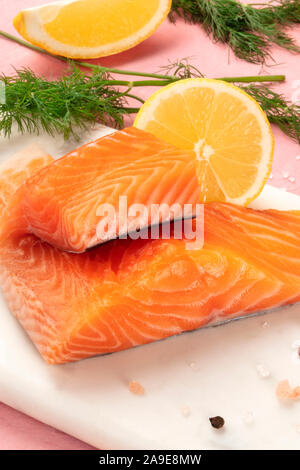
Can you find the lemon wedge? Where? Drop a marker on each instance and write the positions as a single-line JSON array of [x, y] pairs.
[[91, 28]]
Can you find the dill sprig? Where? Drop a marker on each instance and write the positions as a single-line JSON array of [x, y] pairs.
[[284, 114], [249, 31], [77, 99], [166, 78], [64, 105], [182, 69]]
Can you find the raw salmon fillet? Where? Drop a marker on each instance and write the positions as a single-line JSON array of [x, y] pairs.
[[60, 204], [127, 293]]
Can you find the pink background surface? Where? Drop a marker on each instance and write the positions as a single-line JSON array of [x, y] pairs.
[[169, 43]]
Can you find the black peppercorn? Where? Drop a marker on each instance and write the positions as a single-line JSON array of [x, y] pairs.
[[217, 422]]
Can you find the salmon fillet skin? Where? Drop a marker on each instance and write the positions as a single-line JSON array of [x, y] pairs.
[[62, 203], [127, 293]]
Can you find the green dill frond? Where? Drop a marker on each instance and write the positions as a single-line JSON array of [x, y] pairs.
[[284, 114], [182, 69], [77, 101], [249, 31], [62, 105]]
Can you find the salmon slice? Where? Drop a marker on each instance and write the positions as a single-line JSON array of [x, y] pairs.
[[18, 169], [131, 292], [61, 204], [13, 173]]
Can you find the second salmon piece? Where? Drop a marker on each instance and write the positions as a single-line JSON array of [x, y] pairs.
[[128, 293], [64, 203]]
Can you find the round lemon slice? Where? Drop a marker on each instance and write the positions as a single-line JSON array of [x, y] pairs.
[[225, 129], [91, 28]]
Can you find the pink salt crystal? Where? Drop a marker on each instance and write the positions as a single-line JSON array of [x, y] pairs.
[[136, 388], [285, 392]]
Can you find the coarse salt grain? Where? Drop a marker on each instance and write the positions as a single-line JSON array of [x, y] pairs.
[[292, 179], [248, 417], [265, 324], [285, 175], [296, 351], [298, 157], [193, 365], [296, 344], [136, 388], [185, 411], [262, 371], [271, 176]]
